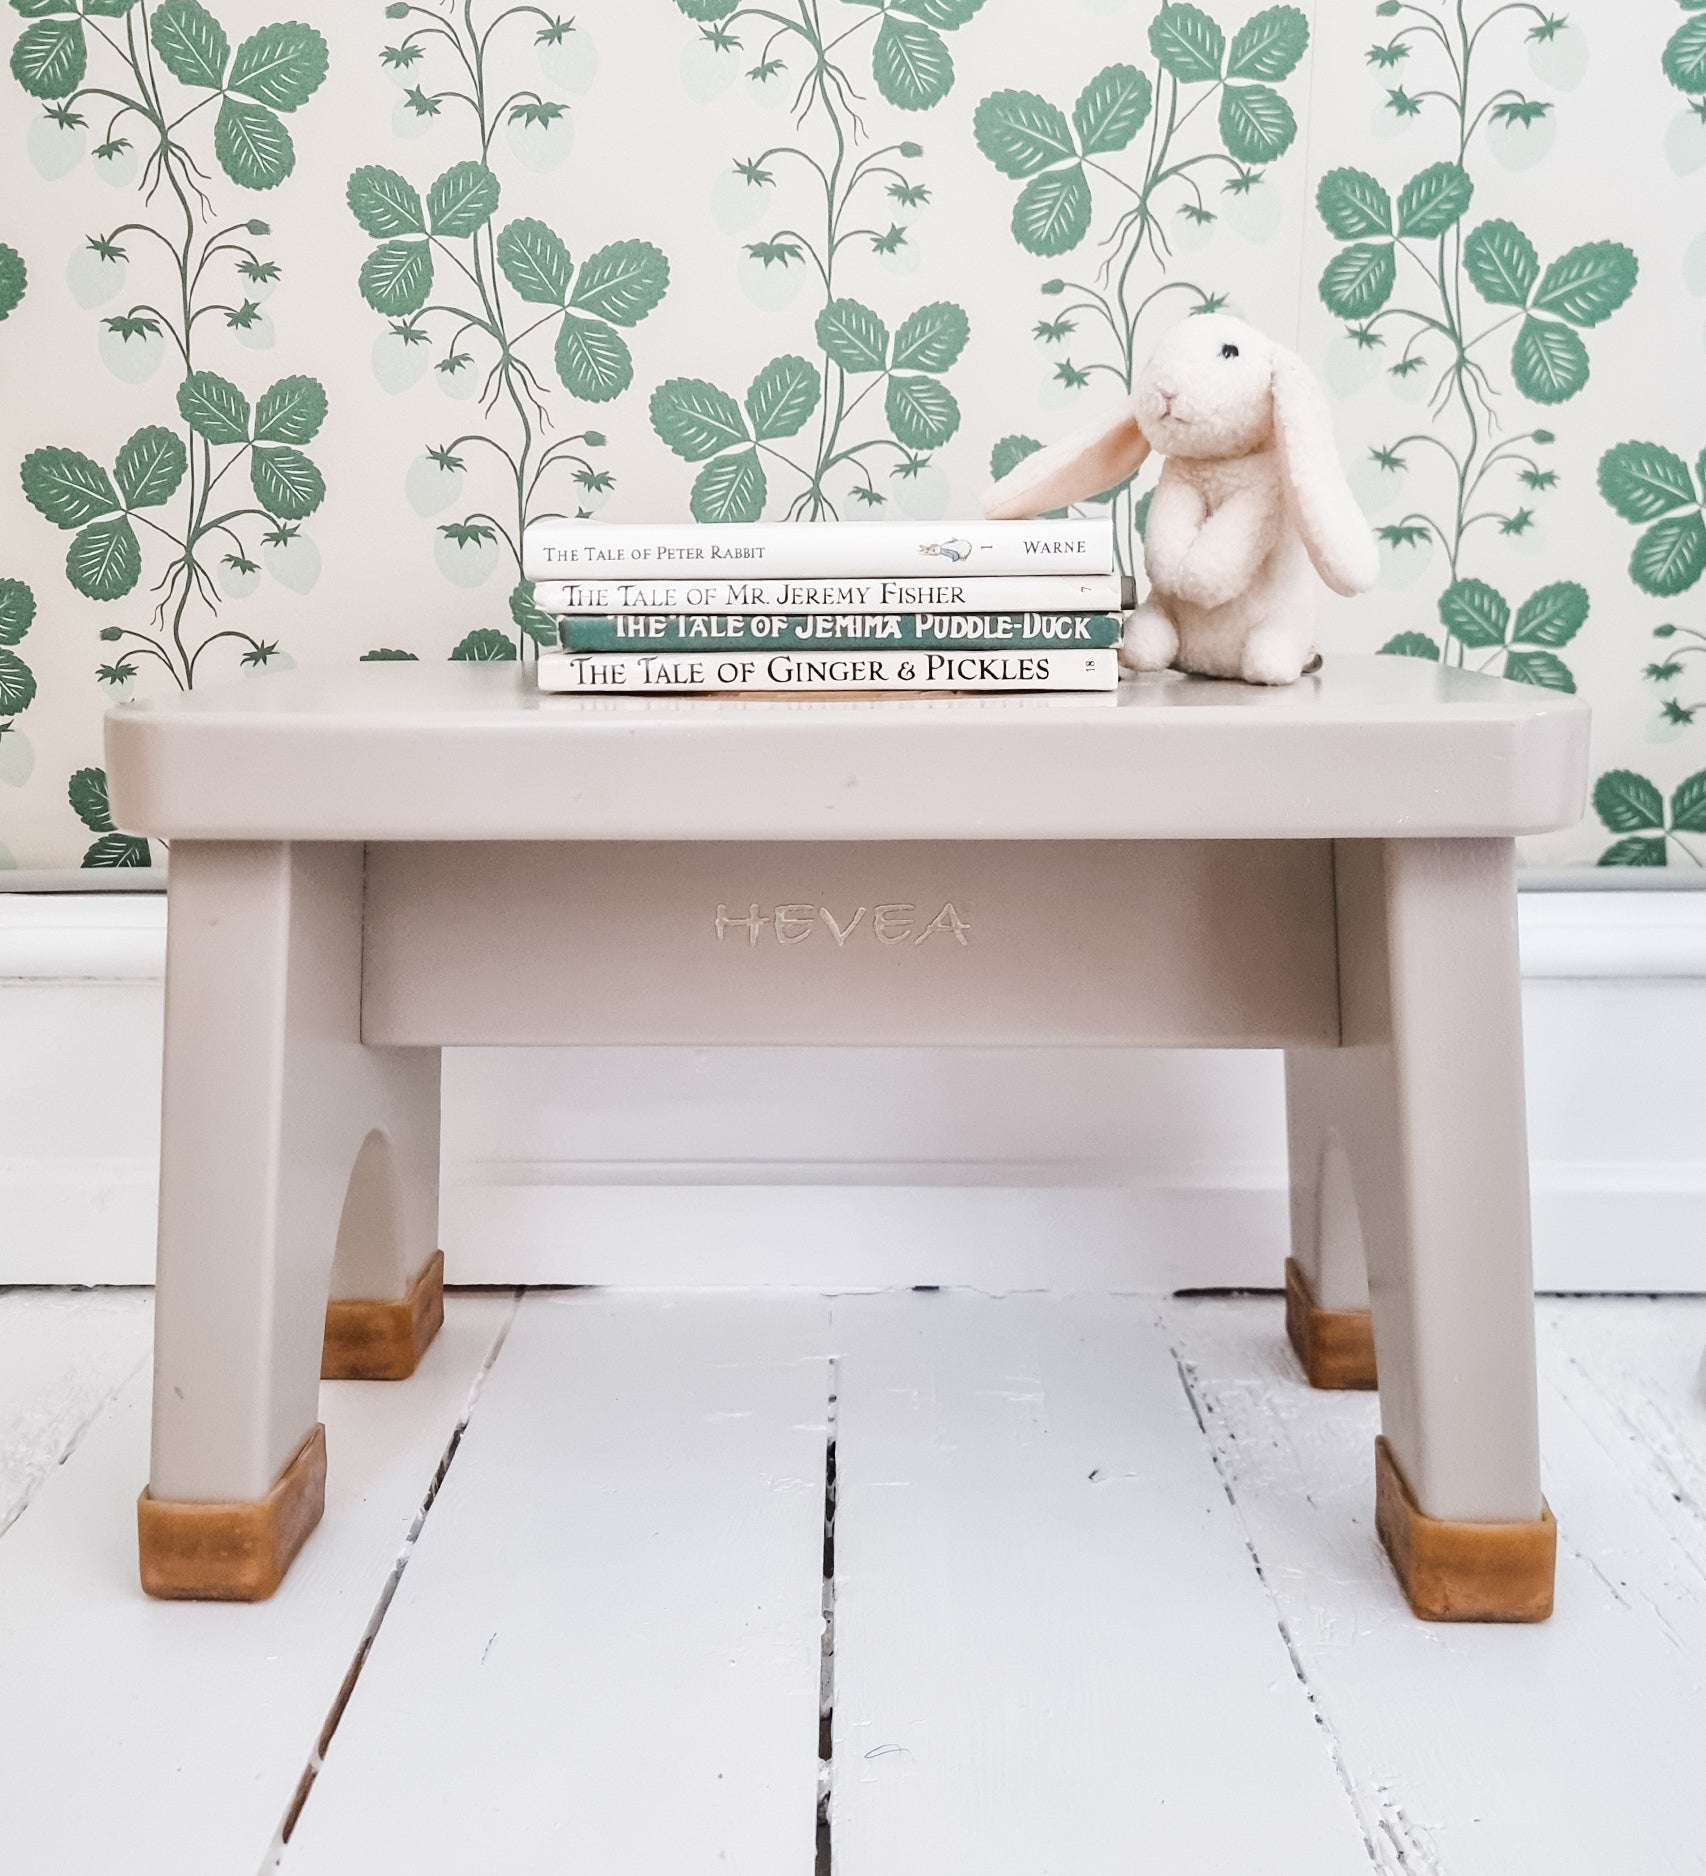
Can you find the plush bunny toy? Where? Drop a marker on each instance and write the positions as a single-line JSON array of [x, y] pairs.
[[1251, 494]]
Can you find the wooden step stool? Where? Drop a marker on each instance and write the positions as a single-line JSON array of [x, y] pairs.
[[372, 862]]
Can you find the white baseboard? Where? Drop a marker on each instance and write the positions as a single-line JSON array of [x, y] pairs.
[[76, 1219], [1001, 1169]]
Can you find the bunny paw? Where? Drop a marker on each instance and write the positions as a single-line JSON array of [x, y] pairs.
[[1150, 642], [1273, 658]]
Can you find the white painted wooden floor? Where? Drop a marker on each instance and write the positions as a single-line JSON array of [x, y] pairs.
[[1104, 1591]]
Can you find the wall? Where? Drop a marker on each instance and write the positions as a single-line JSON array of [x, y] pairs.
[[301, 322], [998, 1168]]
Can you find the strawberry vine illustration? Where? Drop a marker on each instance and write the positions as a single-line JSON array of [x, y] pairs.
[[910, 58], [1190, 160], [496, 300], [104, 511], [1684, 58], [700, 422], [151, 73], [1523, 643], [87, 792], [14, 277], [1652, 486], [839, 461], [273, 71], [1650, 828], [1675, 666], [1488, 480], [17, 680]]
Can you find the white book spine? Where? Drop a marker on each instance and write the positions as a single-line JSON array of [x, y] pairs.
[[556, 550], [1095, 592], [613, 673]]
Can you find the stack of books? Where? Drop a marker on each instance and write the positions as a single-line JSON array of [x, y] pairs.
[[825, 606]]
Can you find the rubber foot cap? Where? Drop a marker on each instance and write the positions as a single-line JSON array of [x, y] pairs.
[[384, 1341], [1463, 1572], [1336, 1346], [193, 1552]]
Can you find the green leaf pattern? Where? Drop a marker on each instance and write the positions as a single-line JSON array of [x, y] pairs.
[[489, 301], [1433, 200], [855, 426], [1353, 205], [17, 680], [168, 491], [1111, 109], [386, 204], [1164, 143], [593, 360], [1501, 263], [1441, 288], [1021, 133], [730, 488], [151, 464], [696, 419], [1053, 212], [1646, 482], [462, 201], [623, 282], [535, 261], [252, 145], [214, 408], [191, 43], [1256, 123], [277, 69], [932, 339], [1630, 804], [853, 336], [782, 397], [1269, 45], [51, 57], [281, 66], [911, 64], [528, 305], [86, 792], [14, 279], [1188, 43]]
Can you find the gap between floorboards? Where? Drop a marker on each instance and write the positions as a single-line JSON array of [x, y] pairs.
[[317, 1758]]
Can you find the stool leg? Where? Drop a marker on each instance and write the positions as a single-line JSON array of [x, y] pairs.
[[268, 1097], [1326, 1277], [387, 1292], [1431, 1105]]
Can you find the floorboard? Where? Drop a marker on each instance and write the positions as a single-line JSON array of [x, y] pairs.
[[1107, 1601], [63, 1355], [1633, 1373], [605, 1653], [1573, 1747], [168, 1739], [1052, 1655]]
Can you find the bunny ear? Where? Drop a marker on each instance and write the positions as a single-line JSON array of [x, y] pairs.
[[1091, 460], [1332, 526]]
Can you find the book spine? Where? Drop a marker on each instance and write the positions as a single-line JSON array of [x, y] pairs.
[[974, 631], [1046, 592], [555, 550], [630, 672]]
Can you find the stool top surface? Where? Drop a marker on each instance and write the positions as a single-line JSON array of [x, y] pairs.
[[1367, 747]]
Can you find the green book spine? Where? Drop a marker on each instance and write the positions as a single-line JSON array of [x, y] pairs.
[[762, 631]]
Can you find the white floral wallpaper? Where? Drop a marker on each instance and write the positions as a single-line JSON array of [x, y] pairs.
[[301, 320]]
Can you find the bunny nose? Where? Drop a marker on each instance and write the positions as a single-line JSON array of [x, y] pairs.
[[1166, 394]]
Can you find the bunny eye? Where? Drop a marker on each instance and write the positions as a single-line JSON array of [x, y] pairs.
[[1229, 351]]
